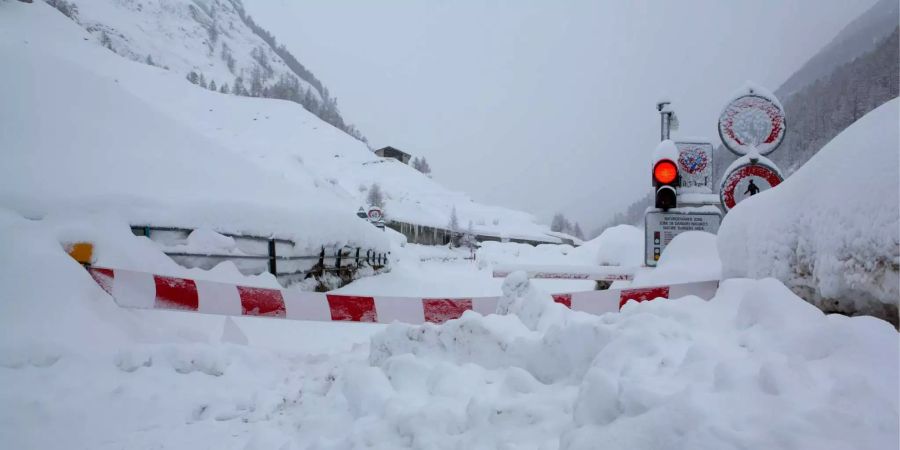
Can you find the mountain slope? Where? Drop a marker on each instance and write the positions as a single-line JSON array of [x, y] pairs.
[[859, 37], [86, 129], [212, 42], [852, 75]]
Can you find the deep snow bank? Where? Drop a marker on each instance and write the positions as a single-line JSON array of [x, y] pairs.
[[830, 232], [756, 367]]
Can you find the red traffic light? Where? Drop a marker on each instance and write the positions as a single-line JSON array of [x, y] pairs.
[[665, 172]]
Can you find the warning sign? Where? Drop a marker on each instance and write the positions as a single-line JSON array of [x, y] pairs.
[[746, 181], [695, 164], [376, 216], [661, 227]]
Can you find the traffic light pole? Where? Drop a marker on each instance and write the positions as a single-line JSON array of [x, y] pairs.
[[665, 118]]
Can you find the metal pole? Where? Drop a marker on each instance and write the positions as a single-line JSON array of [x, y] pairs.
[[273, 268], [665, 116], [662, 126]]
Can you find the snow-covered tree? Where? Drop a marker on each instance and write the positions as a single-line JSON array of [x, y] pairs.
[[454, 221], [558, 223], [577, 231], [468, 239], [105, 40], [193, 77], [212, 86], [375, 197], [224, 88], [453, 226], [424, 167], [202, 82]]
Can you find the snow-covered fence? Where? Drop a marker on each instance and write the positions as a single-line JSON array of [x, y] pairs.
[[567, 272], [258, 254], [149, 291], [428, 235]]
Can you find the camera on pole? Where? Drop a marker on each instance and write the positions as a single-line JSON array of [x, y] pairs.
[[665, 181]]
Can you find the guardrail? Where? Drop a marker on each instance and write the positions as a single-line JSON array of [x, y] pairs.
[[258, 249]]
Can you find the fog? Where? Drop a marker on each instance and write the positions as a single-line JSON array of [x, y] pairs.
[[545, 106]]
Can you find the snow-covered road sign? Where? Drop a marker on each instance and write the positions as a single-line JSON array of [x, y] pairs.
[[661, 227], [695, 164], [752, 121], [746, 181], [376, 216]]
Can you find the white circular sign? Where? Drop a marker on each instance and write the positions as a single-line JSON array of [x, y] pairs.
[[375, 214], [752, 122], [746, 181]]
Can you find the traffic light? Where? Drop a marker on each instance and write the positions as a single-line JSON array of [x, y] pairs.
[[665, 180]]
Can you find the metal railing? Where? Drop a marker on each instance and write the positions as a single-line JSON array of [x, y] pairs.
[[328, 260]]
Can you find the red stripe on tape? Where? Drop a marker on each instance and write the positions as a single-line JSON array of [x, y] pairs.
[[261, 302], [440, 310], [103, 277], [644, 294], [563, 299], [352, 308], [175, 293]]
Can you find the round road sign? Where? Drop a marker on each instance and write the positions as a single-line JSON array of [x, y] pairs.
[[750, 122], [746, 181], [375, 214]]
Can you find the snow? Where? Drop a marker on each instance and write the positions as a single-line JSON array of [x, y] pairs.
[[830, 231], [755, 367], [691, 256], [665, 150], [180, 155], [753, 119], [177, 34], [739, 371], [621, 245], [87, 138]]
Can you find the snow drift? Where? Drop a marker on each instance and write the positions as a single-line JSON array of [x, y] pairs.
[[830, 231], [755, 367]]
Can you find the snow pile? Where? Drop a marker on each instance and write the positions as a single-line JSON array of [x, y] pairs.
[[426, 271], [493, 253], [830, 232], [691, 256], [756, 367], [621, 245]]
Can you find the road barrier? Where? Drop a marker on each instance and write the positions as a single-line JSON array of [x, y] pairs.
[[131, 289]]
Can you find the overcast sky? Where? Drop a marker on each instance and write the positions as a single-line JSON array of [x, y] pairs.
[[545, 106]]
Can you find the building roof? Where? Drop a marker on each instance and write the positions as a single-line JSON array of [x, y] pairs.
[[389, 148]]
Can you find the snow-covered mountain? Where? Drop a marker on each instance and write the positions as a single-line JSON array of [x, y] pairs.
[[145, 143], [214, 43]]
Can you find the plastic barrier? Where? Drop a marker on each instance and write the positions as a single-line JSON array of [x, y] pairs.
[[143, 290]]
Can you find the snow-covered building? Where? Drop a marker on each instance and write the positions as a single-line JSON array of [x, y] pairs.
[[391, 152]]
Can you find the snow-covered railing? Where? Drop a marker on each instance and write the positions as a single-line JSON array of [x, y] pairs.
[[567, 272], [274, 252]]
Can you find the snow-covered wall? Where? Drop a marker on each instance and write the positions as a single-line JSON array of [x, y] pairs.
[[830, 231]]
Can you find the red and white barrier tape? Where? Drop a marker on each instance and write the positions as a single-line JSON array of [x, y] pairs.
[[143, 290]]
